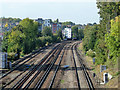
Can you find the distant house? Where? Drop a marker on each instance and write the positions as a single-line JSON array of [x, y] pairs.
[[67, 33], [47, 22], [59, 26], [43, 23], [80, 26], [54, 27], [40, 22]]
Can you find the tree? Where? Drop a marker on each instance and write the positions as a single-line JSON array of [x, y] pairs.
[[47, 31], [56, 21], [107, 11], [59, 34], [75, 31], [15, 41], [90, 37], [68, 23], [112, 39], [80, 34], [30, 30], [5, 41], [6, 25]]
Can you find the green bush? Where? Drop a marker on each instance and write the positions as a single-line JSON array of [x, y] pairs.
[[22, 55], [12, 56], [90, 53]]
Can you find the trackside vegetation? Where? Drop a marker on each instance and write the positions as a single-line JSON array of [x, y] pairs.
[[102, 41]]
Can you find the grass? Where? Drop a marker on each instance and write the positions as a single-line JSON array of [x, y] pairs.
[[117, 73], [62, 81]]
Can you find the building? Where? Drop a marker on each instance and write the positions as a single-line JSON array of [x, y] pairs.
[[67, 33], [59, 26], [80, 26], [47, 22], [54, 28], [40, 22]]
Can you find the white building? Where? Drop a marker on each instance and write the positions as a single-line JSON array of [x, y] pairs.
[[47, 22], [67, 33]]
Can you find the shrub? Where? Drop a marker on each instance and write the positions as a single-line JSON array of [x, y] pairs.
[[90, 53], [12, 56], [22, 55]]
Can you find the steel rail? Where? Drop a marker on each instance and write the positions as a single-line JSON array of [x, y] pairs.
[[17, 66], [57, 68], [20, 82], [18, 74], [89, 82], [39, 70], [78, 81], [21, 60], [44, 76]]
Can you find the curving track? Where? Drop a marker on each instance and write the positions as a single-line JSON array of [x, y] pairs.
[[24, 71], [87, 77], [44, 74], [46, 63]]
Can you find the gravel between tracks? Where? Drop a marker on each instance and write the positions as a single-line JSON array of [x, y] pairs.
[[68, 79], [12, 75]]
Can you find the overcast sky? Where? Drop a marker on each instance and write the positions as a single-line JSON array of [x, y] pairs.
[[77, 11]]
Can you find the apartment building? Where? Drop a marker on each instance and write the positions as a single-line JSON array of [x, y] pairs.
[[67, 33]]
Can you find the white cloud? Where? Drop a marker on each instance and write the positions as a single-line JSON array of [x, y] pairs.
[[40, 1]]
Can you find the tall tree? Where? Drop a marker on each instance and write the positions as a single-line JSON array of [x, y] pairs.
[[113, 39], [75, 31], [15, 41], [59, 33], [47, 31], [30, 30]]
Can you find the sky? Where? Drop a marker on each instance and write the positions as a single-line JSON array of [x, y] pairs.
[[77, 11]]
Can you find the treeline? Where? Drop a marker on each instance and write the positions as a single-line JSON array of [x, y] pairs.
[[9, 20], [102, 41], [77, 33], [25, 37]]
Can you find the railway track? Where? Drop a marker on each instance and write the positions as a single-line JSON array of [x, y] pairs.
[[46, 73], [30, 69], [58, 66], [22, 61], [87, 77], [78, 81], [38, 67], [56, 70], [37, 76]]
